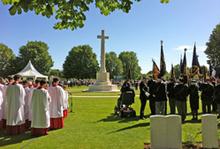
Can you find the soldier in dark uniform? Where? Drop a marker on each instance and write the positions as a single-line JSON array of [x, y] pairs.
[[181, 93], [207, 90], [152, 90], [170, 90], [136, 84], [161, 98], [194, 99], [217, 96], [143, 96], [214, 104]]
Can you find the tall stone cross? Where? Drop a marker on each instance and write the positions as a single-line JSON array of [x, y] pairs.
[[102, 37]]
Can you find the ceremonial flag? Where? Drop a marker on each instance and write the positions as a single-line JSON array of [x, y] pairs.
[[184, 64], [155, 71], [162, 62], [172, 72], [181, 63], [195, 63]]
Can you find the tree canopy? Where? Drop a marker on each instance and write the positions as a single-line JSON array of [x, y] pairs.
[[213, 47], [7, 58], [113, 64], [69, 14], [56, 73], [130, 64], [81, 63], [37, 52]]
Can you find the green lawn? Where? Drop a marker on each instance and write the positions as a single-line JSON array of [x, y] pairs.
[[91, 125]]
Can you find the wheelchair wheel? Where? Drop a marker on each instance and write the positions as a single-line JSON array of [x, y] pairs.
[[116, 110], [133, 114], [121, 114]]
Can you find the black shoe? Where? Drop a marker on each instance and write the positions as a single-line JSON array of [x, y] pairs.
[[142, 117]]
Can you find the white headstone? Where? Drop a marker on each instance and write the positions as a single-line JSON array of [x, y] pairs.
[[210, 131], [166, 132], [174, 131], [158, 132]]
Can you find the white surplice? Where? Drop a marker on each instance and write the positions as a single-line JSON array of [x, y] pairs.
[[1, 101], [40, 109], [29, 103], [15, 105], [66, 104], [57, 101]]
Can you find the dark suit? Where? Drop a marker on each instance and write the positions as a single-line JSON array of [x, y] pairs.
[[143, 89]]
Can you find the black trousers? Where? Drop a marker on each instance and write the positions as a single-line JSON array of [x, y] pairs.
[[214, 106], [143, 104], [152, 106], [206, 106]]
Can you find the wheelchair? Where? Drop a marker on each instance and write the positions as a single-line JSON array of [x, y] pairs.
[[123, 107]]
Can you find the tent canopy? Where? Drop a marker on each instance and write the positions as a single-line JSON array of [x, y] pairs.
[[30, 72]]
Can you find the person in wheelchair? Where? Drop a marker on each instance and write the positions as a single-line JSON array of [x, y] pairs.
[[125, 100]]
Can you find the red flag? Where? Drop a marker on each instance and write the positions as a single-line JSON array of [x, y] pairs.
[[155, 71]]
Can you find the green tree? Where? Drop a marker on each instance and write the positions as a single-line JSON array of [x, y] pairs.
[[213, 47], [149, 74], [177, 70], [56, 72], [37, 52], [7, 58], [81, 63], [130, 64], [204, 69], [113, 64], [71, 13]]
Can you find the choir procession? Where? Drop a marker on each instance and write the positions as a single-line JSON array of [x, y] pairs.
[[35, 106]]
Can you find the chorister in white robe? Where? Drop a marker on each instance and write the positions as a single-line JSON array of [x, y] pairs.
[[66, 104], [1, 101], [57, 101], [27, 102], [15, 105], [40, 109], [4, 104]]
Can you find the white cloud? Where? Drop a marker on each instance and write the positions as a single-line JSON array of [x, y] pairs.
[[200, 48], [182, 47]]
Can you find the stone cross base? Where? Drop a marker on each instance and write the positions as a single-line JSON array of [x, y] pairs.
[[102, 77], [103, 84], [103, 88]]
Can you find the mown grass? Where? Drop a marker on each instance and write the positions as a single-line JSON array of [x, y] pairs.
[[92, 125]]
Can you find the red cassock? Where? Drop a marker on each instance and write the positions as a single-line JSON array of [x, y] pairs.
[[39, 131], [56, 123], [3, 123], [65, 113], [1, 127], [14, 130]]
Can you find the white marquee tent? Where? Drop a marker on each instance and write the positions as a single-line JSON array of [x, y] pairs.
[[30, 72]]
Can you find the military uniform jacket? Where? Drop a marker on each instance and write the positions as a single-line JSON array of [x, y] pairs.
[[143, 89], [181, 92], [161, 94], [217, 94]]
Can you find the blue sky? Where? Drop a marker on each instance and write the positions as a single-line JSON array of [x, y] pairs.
[[179, 24]]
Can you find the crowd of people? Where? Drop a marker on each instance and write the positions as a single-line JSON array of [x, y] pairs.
[[35, 106], [175, 93]]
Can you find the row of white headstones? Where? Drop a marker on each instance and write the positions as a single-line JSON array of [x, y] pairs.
[[166, 131]]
